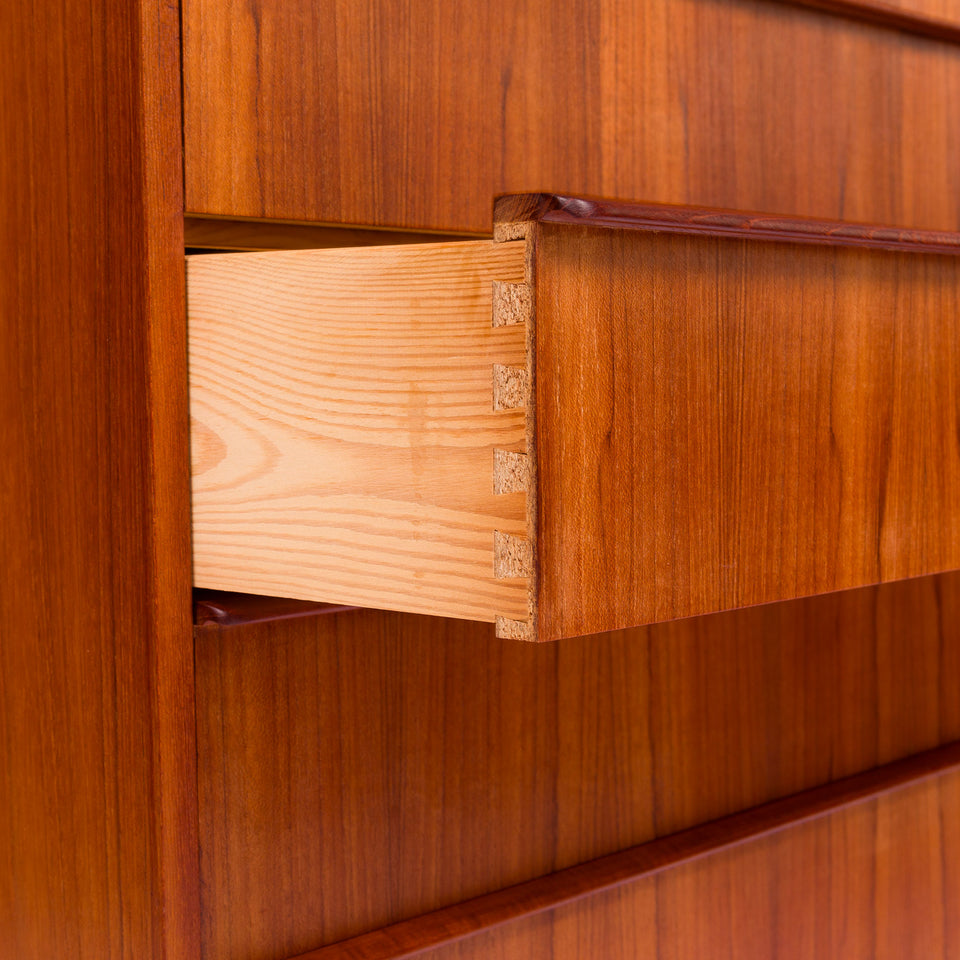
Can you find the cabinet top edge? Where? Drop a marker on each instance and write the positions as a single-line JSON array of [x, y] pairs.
[[714, 222]]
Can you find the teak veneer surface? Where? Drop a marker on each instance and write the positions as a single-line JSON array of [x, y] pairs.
[[735, 410], [576, 886], [365, 767], [98, 832], [414, 115], [872, 881]]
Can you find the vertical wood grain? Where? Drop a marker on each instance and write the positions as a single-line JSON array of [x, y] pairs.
[[98, 844], [416, 114], [578, 888], [365, 767], [873, 880], [724, 422]]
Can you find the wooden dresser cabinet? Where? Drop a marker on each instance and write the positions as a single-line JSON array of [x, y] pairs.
[[709, 459]]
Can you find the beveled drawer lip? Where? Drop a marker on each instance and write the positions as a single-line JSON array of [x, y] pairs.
[[513, 209]]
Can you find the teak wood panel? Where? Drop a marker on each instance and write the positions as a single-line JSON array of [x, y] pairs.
[[98, 831], [361, 768], [724, 421], [579, 884], [414, 115], [873, 881], [346, 436]]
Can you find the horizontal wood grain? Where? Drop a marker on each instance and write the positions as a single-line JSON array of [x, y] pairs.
[[482, 915], [344, 427], [366, 114], [365, 768], [726, 416], [871, 880]]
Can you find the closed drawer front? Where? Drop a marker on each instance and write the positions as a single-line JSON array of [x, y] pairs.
[[609, 415], [861, 868], [413, 115]]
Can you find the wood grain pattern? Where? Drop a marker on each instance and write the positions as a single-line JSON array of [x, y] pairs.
[[870, 881], [734, 422], [344, 427], [98, 816], [575, 885], [365, 113], [366, 767]]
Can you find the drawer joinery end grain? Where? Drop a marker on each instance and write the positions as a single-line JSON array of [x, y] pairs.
[[359, 427], [513, 305]]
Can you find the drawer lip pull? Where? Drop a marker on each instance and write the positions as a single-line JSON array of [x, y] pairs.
[[409, 938], [221, 608], [526, 209]]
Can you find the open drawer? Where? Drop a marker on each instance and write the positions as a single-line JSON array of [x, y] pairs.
[[609, 415]]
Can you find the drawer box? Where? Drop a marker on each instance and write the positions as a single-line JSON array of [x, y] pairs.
[[610, 415]]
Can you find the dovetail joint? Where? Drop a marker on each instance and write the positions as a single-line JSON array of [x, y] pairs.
[[511, 471], [508, 629], [515, 230], [511, 387], [511, 303], [512, 556]]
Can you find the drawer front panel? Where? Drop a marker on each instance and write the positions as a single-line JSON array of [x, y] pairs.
[[415, 114], [734, 421], [862, 868]]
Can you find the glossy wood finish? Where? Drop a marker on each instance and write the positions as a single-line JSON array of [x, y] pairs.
[[607, 874], [388, 113], [514, 215], [938, 19], [757, 420], [867, 882], [98, 832], [367, 767]]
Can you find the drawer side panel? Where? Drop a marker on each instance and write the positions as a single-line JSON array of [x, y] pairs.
[[345, 436]]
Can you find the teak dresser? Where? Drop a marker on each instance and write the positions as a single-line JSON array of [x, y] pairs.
[[390, 570]]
